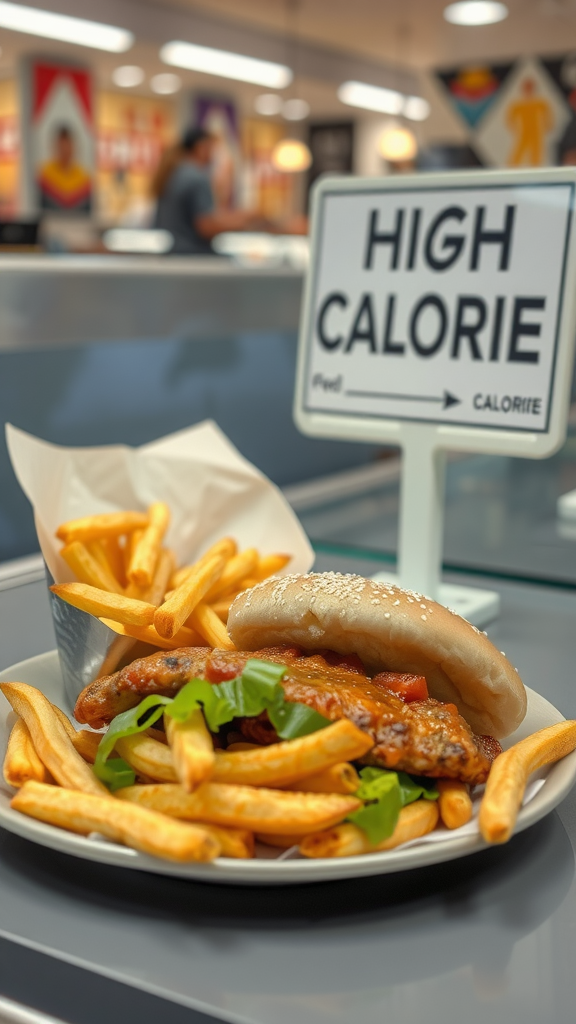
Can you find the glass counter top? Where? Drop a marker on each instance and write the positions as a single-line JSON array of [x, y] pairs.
[[500, 517]]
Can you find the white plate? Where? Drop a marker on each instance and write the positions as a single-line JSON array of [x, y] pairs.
[[44, 672]]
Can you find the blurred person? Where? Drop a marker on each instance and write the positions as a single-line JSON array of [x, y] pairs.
[[185, 200], [63, 183]]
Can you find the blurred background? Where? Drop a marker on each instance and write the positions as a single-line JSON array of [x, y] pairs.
[[288, 89], [156, 161]]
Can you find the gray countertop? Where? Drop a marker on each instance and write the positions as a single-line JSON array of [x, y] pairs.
[[492, 936]]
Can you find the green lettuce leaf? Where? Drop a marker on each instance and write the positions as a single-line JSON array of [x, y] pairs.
[[117, 773], [385, 794], [383, 802], [258, 689], [413, 787]]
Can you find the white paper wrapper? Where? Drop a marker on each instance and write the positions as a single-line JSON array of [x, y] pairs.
[[211, 490]]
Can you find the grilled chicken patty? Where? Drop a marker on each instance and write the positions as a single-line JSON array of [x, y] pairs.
[[424, 737]]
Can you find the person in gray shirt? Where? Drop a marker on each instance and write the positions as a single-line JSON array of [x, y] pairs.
[[185, 199]]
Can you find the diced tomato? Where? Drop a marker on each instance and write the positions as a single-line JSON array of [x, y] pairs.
[[220, 667], [408, 687]]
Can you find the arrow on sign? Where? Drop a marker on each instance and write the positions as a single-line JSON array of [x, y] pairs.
[[446, 400]]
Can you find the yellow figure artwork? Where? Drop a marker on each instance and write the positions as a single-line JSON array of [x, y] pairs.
[[529, 119]]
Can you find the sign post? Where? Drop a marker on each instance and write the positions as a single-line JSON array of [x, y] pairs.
[[440, 314]]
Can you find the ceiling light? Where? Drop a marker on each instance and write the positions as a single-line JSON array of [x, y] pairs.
[[64, 28], [225, 64], [416, 108], [269, 103], [127, 76], [165, 83], [371, 97], [291, 155], [295, 110], [398, 143], [385, 101], [475, 12]]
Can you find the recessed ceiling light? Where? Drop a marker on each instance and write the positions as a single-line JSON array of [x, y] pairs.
[[295, 110], [475, 12], [268, 104], [384, 101], [64, 28], [165, 83], [225, 64], [127, 76]]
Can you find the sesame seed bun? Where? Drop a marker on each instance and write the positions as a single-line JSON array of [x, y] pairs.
[[388, 628]]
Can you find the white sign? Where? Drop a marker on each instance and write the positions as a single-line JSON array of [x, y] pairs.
[[441, 299]]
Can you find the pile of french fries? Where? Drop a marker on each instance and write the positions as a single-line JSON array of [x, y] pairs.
[[129, 579], [192, 802]]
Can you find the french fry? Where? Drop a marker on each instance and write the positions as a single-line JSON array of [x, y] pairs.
[[205, 621], [222, 605], [175, 611], [269, 565], [280, 841], [21, 763], [108, 524], [347, 840], [283, 764], [50, 738], [134, 826], [192, 749], [148, 757], [234, 842], [185, 637], [97, 602], [114, 553], [132, 540], [454, 803], [164, 569], [258, 810], [84, 741], [145, 553], [340, 778], [509, 773], [224, 548], [237, 568], [156, 592], [157, 734], [87, 568]]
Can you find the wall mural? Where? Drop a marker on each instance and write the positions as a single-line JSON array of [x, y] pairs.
[[516, 114], [58, 136]]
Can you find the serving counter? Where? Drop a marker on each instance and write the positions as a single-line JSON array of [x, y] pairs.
[[491, 936], [101, 351]]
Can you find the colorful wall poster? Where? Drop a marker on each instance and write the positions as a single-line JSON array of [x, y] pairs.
[[218, 115], [58, 136], [472, 89], [524, 125], [132, 132]]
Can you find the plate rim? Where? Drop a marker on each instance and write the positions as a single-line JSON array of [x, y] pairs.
[[262, 872]]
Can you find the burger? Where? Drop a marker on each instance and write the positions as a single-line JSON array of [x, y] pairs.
[[431, 689]]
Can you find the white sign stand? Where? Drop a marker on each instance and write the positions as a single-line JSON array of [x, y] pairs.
[[439, 314]]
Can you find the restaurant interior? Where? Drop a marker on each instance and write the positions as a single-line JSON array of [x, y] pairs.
[[159, 165]]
